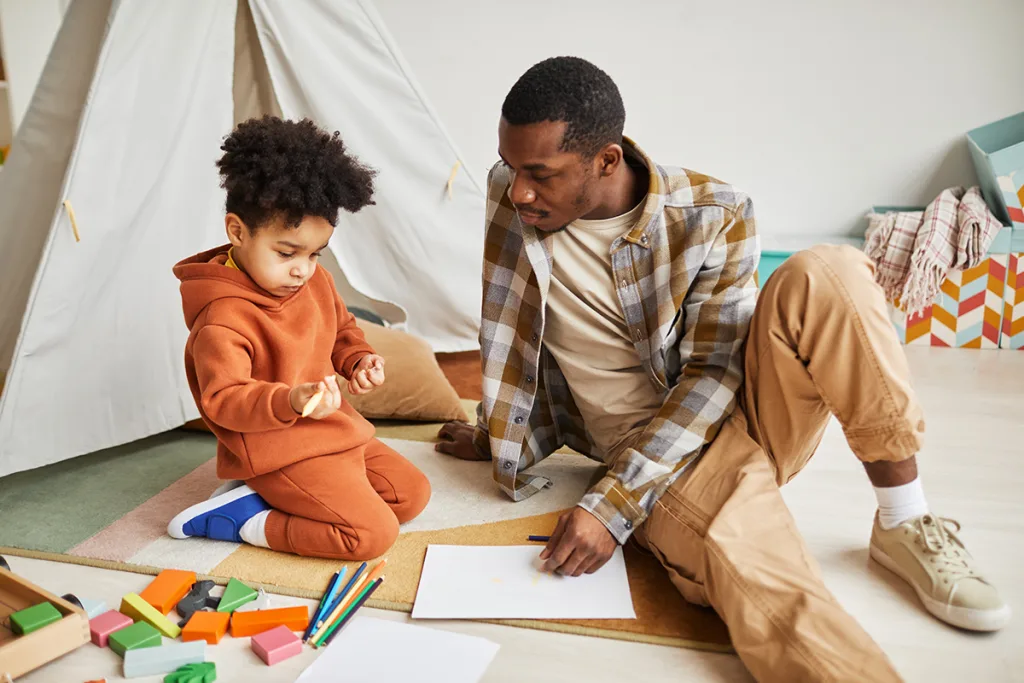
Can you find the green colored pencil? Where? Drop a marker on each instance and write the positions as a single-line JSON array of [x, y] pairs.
[[341, 618]]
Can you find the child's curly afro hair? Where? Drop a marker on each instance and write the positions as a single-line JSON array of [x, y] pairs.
[[275, 169]]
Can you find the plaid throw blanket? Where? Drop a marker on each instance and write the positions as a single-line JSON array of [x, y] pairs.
[[914, 251]]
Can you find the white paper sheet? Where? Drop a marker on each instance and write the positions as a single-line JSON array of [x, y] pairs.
[[505, 582], [380, 651]]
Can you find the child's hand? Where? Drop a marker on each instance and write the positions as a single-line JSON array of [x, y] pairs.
[[367, 375], [330, 397]]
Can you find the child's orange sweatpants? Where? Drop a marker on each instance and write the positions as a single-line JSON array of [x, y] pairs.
[[343, 506]]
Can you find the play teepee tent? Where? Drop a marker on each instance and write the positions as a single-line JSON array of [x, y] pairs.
[[111, 180]]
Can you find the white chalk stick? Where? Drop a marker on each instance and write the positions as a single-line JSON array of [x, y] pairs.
[[160, 660]]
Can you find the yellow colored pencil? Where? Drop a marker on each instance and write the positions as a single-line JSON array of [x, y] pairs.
[[353, 592]]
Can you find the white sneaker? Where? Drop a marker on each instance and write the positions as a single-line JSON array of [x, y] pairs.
[[926, 553]]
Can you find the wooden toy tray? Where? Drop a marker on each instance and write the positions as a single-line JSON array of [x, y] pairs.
[[21, 654]]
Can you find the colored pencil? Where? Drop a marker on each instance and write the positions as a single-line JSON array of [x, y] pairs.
[[350, 608], [325, 600], [320, 606], [335, 630], [541, 539], [331, 606], [348, 599]]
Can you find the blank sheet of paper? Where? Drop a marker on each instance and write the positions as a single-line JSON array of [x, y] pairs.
[[505, 582], [379, 651]]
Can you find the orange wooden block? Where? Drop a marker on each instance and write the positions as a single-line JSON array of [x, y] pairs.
[[250, 623], [170, 586], [208, 626]]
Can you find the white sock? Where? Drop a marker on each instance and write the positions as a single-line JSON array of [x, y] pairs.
[[254, 531], [897, 504]]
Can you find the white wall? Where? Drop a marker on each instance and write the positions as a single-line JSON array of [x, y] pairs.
[[27, 30], [817, 108]]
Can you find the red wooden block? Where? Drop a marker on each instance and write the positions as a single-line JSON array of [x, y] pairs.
[[109, 622], [276, 645]]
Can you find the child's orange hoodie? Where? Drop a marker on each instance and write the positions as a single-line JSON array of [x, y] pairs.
[[247, 349]]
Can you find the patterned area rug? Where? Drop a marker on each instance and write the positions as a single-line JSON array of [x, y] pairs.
[[110, 509]]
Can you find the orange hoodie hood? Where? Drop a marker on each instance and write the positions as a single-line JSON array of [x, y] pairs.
[[205, 279]]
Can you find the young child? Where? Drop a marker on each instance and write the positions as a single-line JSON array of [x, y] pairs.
[[268, 332]]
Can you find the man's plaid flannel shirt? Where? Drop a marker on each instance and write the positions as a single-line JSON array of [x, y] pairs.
[[685, 280]]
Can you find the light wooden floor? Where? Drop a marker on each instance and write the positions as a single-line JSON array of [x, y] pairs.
[[972, 468]]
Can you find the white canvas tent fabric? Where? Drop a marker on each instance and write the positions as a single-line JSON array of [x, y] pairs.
[[126, 125]]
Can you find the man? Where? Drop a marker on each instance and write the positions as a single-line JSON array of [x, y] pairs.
[[621, 317]]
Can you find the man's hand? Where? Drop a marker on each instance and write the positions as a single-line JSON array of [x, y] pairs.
[[367, 375], [458, 441], [580, 544], [330, 399]]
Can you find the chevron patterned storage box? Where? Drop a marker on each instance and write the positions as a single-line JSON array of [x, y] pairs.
[[997, 150], [1013, 308], [968, 310]]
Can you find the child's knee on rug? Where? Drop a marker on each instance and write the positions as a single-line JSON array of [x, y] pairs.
[[363, 540], [411, 497]]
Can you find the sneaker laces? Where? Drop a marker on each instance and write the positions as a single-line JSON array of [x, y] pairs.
[[940, 540]]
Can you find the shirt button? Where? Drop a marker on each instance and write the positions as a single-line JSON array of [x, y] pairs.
[[628, 524], [529, 379], [507, 465], [519, 420], [534, 338], [644, 239], [624, 283]]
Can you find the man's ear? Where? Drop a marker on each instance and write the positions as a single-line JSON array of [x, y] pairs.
[[236, 229], [609, 159]]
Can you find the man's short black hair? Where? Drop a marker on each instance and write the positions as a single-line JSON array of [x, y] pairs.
[[572, 90], [290, 169]]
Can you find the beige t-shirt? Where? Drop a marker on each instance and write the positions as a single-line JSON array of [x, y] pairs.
[[587, 334]]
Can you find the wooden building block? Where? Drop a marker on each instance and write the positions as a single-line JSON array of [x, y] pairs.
[[139, 610], [34, 618], [20, 654], [235, 595], [161, 660], [102, 626], [276, 645], [208, 626], [250, 623], [138, 635], [93, 608], [170, 586]]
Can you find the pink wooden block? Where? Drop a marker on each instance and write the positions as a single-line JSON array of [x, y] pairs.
[[102, 626], [276, 645]]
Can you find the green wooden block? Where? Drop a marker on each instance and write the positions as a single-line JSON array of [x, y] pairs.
[[34, 618], [139, 634], [235, 595]]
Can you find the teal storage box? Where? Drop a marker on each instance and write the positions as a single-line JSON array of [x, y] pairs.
[[770, 260], [997, 150]]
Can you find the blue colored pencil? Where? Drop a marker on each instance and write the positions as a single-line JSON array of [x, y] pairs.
[[351, 613], [325, 600], [340, 596], [541, 539]]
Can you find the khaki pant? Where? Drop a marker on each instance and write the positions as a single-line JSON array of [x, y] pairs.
[[820, 343]]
